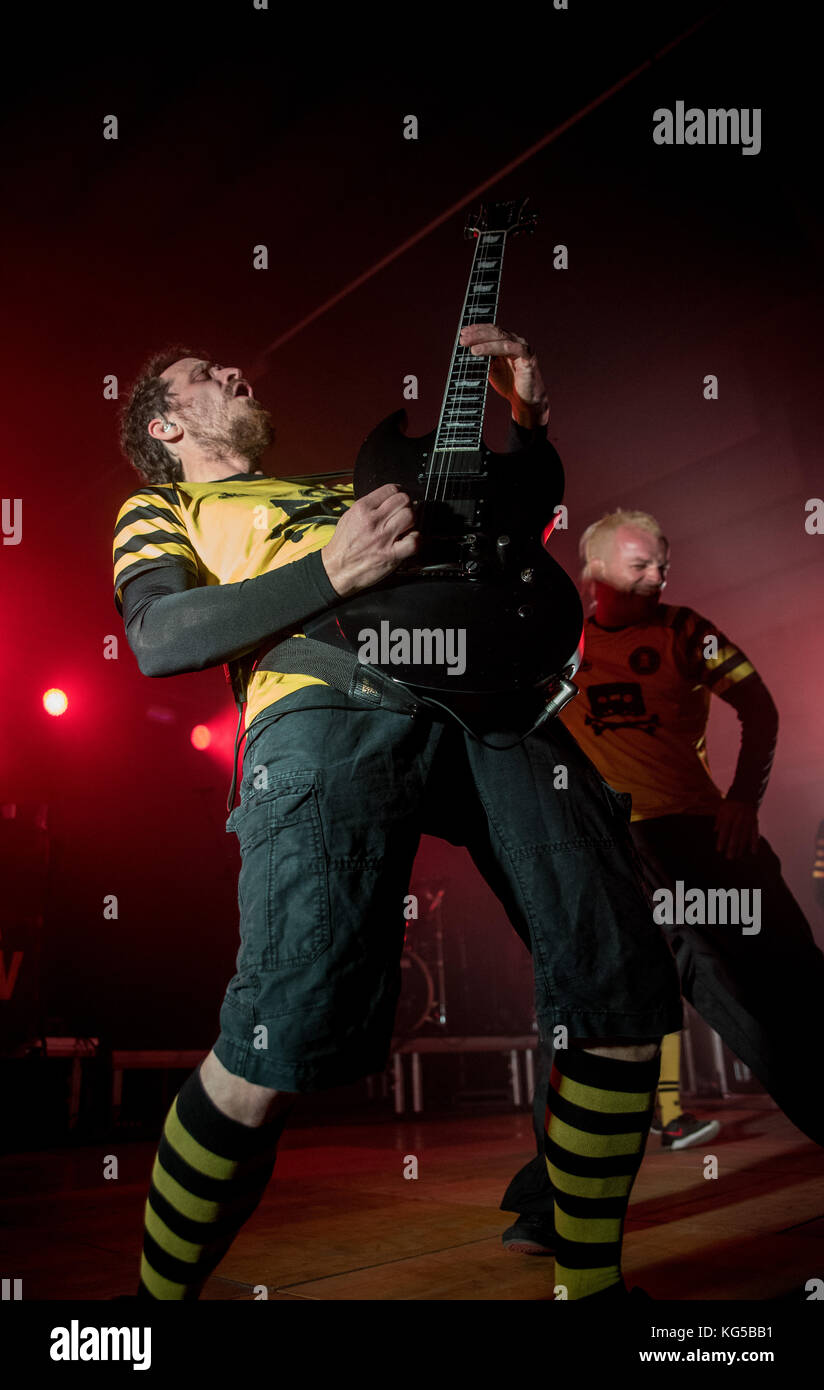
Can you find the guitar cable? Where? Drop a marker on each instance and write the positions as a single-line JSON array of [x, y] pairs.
[[565, 692]]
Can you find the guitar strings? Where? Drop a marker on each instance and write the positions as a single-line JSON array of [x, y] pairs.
[[447, 455], [464, 373]]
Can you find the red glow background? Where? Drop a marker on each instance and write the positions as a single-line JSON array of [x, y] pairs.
[[683, 262]]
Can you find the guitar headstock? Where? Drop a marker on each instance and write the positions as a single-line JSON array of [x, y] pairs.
[[502, 218]]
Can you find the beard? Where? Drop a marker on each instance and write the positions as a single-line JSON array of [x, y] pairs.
[[245, 432]]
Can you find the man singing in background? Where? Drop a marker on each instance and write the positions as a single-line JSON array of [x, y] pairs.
[[646, 681]]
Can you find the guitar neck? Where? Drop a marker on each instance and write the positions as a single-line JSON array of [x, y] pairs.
[[462, 413]]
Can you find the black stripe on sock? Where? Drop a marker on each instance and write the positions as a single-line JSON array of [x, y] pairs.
[[608, 1073], [581, 1166], [181, 1271], [587, 1255], [202, 1232], [226, 1137], [597, 1121], [590, 1208], [200, 1184]]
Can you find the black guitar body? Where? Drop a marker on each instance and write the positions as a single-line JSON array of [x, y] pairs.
[[482, 594]]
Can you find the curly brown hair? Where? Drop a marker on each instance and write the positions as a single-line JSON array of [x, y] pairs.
[[150, 396]]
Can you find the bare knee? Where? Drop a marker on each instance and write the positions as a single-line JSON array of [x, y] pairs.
[[621, 1051], [242, 1100]]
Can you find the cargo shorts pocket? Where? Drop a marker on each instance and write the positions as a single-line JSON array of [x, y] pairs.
[[283, 888]]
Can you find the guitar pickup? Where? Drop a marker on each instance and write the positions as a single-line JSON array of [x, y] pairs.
[[458, 475]]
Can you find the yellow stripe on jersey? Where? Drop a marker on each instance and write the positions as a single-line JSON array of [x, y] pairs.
[[722, 666], [224, 532], [149, 530]]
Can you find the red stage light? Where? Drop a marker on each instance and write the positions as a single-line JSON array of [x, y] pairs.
[[55, 701], [201, 737]]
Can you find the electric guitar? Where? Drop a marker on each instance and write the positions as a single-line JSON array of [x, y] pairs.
[[482, 608]]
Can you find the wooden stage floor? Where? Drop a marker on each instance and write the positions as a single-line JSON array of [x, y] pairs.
[[340, 1222]]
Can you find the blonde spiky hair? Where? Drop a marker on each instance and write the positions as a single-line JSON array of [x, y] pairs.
[[594, 543]]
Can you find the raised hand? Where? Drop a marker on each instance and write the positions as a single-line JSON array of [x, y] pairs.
[[513, 372]]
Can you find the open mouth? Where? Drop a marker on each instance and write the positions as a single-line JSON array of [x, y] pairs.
[[242, 388]]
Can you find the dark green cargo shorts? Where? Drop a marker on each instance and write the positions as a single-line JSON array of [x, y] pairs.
[[334, 799]]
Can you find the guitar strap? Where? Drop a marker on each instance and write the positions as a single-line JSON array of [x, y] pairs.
[[338, 667], [341, 669]]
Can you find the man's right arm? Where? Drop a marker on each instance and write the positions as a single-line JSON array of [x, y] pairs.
[[174, 625]]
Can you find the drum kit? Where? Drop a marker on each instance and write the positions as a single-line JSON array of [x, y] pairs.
[[457, 977]]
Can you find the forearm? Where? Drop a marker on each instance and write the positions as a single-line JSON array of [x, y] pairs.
[[756, 710], [173, 628], [543, 469], [521, 434], [531, 416]]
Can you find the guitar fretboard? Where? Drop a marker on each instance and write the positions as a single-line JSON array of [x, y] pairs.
[[462, 412]]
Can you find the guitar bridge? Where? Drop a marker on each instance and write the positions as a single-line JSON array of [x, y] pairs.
[[411, 568]]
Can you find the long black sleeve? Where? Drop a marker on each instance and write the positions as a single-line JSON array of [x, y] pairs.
[[543, 468], [756, 710], [174, 625], [519, 435]]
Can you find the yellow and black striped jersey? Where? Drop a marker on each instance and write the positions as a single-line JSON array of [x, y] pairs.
[[642, 713], [224, 532]]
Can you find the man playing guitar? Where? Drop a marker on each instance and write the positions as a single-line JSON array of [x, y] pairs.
[[214, 558]]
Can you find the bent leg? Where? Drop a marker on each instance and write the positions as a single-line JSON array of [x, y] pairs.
[[530, 1191], [762, 992], [563, 865], [209, 1175], [600, 1103], [243, 1101]]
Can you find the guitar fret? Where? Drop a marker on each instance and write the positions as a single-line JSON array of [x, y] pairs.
[[462, 411]]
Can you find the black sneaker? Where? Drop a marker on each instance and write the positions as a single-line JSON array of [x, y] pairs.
[[531, 1235], [685, 1130]]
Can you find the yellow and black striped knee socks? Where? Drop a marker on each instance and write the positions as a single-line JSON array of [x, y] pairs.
[[597, 1120], [669, 1081], [208, 1177]]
